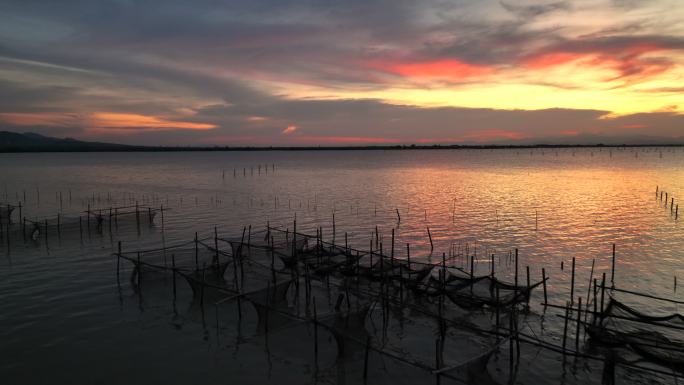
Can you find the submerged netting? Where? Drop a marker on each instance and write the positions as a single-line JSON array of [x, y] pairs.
[[366, 301], [6, 211], [658, 338], [194, 261], [77, 224], [468, 291]]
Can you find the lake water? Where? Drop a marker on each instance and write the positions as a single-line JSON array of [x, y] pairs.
[[63, 318]]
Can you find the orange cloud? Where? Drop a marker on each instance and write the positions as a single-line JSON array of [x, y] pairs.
[[290, 129], [256, 118], [110, 120], [100, 120]]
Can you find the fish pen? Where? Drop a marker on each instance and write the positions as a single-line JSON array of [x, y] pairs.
[[377, 305], [368, 301], [73, 226]]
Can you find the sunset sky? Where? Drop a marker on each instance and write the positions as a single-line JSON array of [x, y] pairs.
[[207, 72]]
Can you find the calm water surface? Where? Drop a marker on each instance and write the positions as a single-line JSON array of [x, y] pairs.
[[63, 318]]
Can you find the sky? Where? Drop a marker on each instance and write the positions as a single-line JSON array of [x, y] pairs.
[[353, 72]]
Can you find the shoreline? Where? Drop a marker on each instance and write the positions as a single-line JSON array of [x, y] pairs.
[[124, 148]]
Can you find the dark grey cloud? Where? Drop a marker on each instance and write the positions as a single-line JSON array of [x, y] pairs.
[[535, 10]]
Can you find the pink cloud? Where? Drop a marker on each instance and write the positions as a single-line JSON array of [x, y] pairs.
[[494, 133], [629, 60], [50, 119], [448, 69], [345, 140]]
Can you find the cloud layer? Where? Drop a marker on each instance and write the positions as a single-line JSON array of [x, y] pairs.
[[374, 71]]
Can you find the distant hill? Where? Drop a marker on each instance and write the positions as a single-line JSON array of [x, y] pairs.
[[31, 142]]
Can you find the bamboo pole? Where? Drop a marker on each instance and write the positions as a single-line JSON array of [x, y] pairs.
[[544, 285], [118, 261], [579, 321], [612, 269], [365, 359], [565, 326], [572, 282], [196, 252], [173, 271]]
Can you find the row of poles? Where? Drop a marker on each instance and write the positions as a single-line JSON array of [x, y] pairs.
[[259, 167], [33, 227], [674, 209], [514, 345]]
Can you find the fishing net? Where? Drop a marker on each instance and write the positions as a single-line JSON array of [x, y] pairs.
[[364, 301], [471, 292], [657, 338]]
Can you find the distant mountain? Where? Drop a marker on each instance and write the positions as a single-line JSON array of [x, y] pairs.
[[31, 142]]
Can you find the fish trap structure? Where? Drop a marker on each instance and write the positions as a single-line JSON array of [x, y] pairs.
[[76, 225], [367, 301], [654, 337], [624, 334], [6, 211]]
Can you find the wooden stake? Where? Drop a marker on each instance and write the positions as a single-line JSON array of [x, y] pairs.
[[516, 273], [217, 249], [565, 326], [438, 364], [497, 313], [603, 292], [572, 282], [315, 330], [392, 250], [612, 269], [118, 261], [365, 359], [595, 300], [173, 271], [544, 285], [204, 283], [492, 263], [408, 256], [577, 330], [139, 266], [196, 253], [591, 277]]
